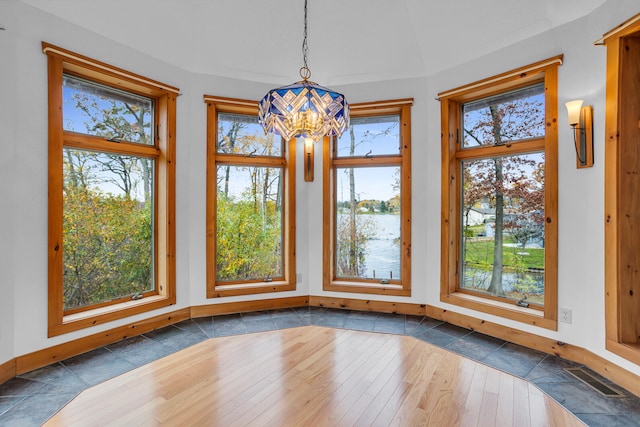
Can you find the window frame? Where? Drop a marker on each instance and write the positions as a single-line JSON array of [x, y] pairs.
[[287, 161], [621, 255], [451, 105], [61, 61], [401, 108]]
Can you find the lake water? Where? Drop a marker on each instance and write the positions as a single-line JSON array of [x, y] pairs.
[[382, 259], [477, 278]]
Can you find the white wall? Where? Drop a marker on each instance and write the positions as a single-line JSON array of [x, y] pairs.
[[25, 196], [425, 170], [8, 208], [581, 192], [23, 174], [192, 160]]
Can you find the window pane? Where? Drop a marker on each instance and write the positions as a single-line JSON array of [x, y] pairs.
[[242, 134], [503, 227], [372, 136], [368, 223], [249, 223], [514, 116], [107, 227], [93, 109]]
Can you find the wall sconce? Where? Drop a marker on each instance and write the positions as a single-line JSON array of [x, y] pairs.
[[581, 120], [308, 159]]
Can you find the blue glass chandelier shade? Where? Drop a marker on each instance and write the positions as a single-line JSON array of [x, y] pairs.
[[304, 109]]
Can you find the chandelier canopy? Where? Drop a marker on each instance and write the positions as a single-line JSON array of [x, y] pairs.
[[304, 108]]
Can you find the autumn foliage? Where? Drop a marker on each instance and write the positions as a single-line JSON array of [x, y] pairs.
[[511, 187]]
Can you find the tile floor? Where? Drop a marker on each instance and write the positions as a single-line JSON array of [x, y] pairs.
[[30, 399]]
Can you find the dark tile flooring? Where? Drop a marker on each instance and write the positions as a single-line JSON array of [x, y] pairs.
[[30, 399]]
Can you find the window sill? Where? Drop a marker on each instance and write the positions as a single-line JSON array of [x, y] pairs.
[[87, 318], [249, 288], [629, 351], [367, 288], [502, 309]]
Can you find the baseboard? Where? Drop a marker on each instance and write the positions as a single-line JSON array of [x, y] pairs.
[[50, 355], [7, 370], [368, 305], [247, 306], [47, 356], [598, 364], [59, 352]]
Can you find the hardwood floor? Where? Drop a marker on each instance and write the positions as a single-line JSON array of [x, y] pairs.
[[314, 376]]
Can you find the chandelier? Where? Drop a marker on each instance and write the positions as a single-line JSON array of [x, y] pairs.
[[304, 108]]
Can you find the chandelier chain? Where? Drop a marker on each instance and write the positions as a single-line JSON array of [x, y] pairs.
[[305, 73], [304, 109]]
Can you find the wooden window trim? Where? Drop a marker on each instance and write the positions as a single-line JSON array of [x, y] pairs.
[[544, 71], [216, 289], [402, 108], [62, 61], [621, 258]]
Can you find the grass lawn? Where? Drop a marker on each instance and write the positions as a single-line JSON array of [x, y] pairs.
[[479, 252]]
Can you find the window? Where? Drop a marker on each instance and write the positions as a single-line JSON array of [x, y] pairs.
[[367, 202], [499, 195], [250, 203], [111, 201]]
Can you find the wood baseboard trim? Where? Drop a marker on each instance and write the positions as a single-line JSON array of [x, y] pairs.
[[7, 370], [598, 364], [47, 356], [59, 352], [368, 305], [247, 306], [615, 373]]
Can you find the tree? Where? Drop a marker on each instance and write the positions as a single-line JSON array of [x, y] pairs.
[[351, 244], [248, 244], [249, 204], [356, 240], [353, 229], [227, 144], [505, 179], [108, 199], [118, 119], [107, 249]]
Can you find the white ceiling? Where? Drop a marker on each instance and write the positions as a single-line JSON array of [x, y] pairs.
[[350, 41]]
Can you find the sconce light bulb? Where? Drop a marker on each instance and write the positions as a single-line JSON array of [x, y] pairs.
[[308, 142], [573, 111]]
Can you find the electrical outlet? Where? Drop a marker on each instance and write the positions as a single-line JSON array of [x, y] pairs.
[[299, 278], [565, 315]]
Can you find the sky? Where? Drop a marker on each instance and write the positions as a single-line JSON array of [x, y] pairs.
[[372, 135]]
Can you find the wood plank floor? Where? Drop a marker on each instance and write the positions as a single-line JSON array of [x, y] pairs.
[[314, 376]]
